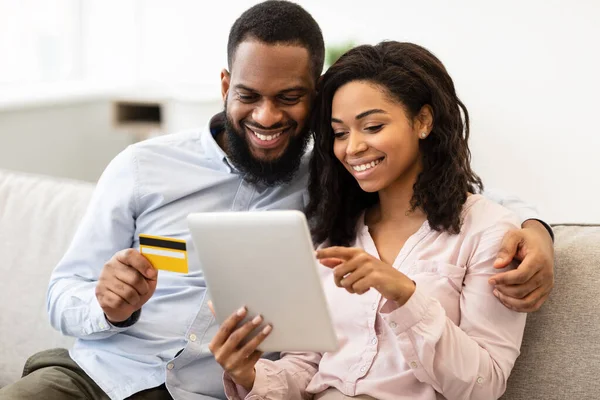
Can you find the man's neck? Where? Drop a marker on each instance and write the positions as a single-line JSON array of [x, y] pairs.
[[217, 129], [221, 140]]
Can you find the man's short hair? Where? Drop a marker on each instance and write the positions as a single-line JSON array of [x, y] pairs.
[[279, 22]]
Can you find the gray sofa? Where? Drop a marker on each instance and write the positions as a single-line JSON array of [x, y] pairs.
[[560, 356]]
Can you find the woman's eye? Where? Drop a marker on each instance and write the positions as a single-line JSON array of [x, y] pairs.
[[339, 134], [374, 128]]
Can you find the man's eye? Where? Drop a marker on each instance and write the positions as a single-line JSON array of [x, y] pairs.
[[290, 99], [246, 97]]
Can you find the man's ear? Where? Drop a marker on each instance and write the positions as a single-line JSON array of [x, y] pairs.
[[315, 91], [225, 81]]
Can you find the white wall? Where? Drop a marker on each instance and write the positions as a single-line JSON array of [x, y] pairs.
[[527, 71]]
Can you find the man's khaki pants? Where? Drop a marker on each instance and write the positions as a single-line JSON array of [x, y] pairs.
[[53, 375]]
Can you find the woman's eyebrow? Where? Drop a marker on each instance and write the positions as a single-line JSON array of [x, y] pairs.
[[369, 112], [362, 115]]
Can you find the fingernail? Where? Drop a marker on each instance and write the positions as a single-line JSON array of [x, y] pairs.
[[498, 260], [257, 320], [150, 272], [267, 329], [493, 282], [496, 292], [241, 311]]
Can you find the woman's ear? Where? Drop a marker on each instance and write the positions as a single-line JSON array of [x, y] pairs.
[[424, 121], [225, 80]]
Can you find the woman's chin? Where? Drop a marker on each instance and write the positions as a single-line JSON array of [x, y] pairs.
[[369, 187]]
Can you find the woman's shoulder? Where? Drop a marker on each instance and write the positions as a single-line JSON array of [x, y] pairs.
[[481, 214]]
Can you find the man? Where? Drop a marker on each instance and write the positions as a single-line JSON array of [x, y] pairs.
[[145, 335]]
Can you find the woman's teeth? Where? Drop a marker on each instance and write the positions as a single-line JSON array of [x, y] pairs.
[[364, 167], [267, 137]]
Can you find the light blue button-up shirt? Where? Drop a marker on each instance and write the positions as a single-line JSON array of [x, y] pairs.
[[150, 188]]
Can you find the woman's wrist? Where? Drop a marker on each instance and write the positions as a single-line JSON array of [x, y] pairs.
[[406, 291], [247, 383]]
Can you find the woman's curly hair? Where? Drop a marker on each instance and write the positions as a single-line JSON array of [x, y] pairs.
[[414, 77]]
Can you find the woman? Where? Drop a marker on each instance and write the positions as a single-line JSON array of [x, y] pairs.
[[407, 248]]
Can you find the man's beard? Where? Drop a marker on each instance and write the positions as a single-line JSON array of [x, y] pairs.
[[268, 172]]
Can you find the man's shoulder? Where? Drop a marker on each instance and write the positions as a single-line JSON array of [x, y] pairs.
[[164, 158], [182, 148], [171, 141]]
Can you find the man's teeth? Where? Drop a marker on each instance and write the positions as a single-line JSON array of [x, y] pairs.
[[267, 137], [364, 167]]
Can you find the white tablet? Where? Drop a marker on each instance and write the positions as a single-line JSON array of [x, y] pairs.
[[265, 260]]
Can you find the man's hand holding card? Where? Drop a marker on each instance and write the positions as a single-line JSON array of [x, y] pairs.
[[126, 283]]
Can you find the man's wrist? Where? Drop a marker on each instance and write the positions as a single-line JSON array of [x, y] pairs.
[[128, 322], [539, 225]]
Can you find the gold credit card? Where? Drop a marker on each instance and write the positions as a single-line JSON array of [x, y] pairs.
[[165, 253]]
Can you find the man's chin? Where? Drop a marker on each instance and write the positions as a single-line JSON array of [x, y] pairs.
[[270, 166]]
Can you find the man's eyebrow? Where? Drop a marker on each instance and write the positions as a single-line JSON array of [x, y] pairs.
[[298, 88], [362, 115], [244, 87], [295, 89]]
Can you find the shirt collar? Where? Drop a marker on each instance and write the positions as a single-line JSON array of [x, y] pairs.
[[208, 138]]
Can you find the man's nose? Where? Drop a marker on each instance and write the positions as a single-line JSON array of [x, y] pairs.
[[267, 114]]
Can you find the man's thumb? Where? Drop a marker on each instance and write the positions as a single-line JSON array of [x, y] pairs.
[[508, 249]]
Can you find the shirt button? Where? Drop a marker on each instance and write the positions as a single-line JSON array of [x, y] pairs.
[[374, 341], [413, 364], [102, 325], [374, 306], [170, 366], [479, 380], [393, 324], [193, 337], [363, 369]]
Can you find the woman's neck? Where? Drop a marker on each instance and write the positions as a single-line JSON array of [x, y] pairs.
[[391, 222], [394, 205]]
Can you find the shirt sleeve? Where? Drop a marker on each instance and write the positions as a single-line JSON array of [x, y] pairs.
[[286, 378], [107, 227], [524, 211], [474, 359]]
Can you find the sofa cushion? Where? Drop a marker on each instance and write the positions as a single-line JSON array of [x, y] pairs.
[[38, 217], [560, 355]]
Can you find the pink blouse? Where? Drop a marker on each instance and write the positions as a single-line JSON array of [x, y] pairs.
[[453, 339]]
